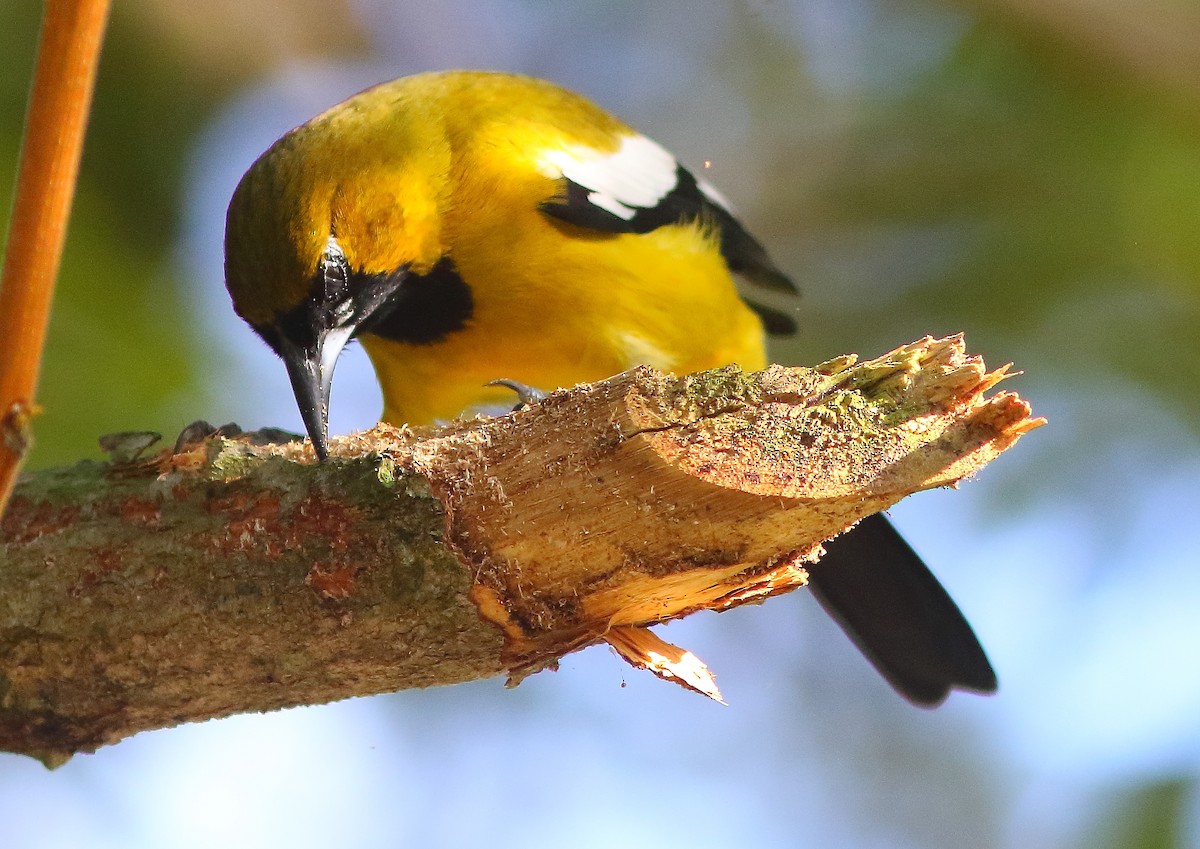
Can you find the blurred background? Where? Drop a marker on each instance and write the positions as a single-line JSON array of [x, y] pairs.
[[1025, 171]]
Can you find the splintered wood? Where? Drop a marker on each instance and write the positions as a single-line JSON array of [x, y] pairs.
[[615, 506]]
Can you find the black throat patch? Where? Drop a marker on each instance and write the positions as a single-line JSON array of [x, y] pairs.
[[426, 308]]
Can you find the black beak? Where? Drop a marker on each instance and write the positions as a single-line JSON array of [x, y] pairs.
[[311, 371], [324, 325]]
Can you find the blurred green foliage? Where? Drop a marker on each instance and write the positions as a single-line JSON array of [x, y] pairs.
[[121, 354], [1059, 212], [1153, 815]]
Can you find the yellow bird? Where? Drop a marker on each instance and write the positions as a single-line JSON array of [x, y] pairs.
[[467, 226]]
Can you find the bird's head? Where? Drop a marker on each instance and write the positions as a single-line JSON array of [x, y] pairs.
[[320, 236]]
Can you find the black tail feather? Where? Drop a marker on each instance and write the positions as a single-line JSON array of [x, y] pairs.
[[893, 608]]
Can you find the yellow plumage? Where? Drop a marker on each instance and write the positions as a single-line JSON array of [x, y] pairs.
[[452, 165]]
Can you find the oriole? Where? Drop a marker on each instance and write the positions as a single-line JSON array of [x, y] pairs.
[[467, 226]]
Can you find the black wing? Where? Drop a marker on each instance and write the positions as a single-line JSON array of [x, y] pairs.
[[893, 608], [685, 202]]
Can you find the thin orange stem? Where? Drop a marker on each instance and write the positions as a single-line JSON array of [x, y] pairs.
[[63, 80]]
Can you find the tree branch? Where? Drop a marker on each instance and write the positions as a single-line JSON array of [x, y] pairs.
[[228, 577]]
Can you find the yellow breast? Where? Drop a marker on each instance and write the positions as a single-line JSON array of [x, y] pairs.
[[555, 309]]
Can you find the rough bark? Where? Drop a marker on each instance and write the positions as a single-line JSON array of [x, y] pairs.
[[227, 577]]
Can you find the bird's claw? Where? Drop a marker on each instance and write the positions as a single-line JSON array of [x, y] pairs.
[[526, 395]]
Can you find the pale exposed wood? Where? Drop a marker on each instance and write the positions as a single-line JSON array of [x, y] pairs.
[[231, 578]]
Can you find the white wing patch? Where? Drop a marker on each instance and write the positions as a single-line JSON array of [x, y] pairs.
[[635, 176]]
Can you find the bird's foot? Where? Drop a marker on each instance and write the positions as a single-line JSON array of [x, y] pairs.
[[526, 395]]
